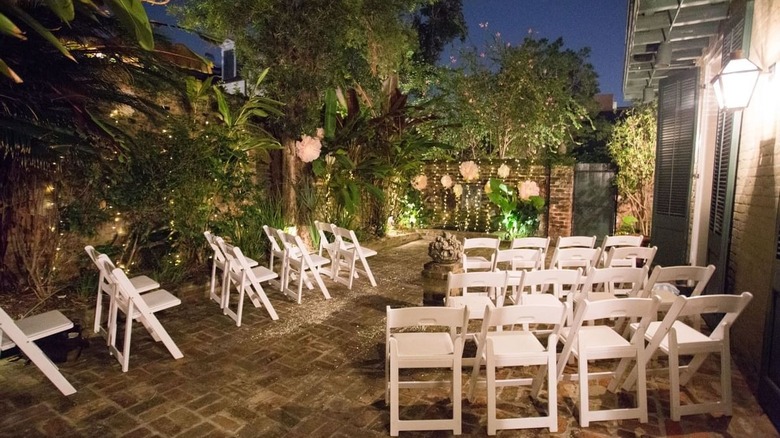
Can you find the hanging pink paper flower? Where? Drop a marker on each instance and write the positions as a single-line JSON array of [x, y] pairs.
[[457, 190], [446, 181], [527, 188], [420, 182], [503, 171], [469, 170], [308, 148]]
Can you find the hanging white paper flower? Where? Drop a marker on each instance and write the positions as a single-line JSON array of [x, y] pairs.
[[503, 171], [308, 148], [487, 187], [420, 182], [457, 190], [446, 181], [527, 188], [469, 170], [330, 159]]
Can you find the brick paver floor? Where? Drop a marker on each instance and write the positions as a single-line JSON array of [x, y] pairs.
[[317, 371]]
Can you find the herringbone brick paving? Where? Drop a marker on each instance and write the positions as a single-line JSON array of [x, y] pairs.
[[317, 371]]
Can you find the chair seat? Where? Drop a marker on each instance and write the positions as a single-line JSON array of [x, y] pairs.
[[316, 259], [367, 252], [261, 273], [39, 326], [158, 300], [474, 303], [597, 336], [527, 299], [142, 283], [424, 345], [685, 335], [515, 343]]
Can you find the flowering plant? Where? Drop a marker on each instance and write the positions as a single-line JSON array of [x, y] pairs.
[[469, 170], [519, 215], [308, 148], [420, 182]]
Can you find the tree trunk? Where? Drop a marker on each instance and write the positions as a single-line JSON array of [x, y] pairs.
[[291, 173]]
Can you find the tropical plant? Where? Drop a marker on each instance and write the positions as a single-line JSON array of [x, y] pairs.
[[632, 147], [519, 208]]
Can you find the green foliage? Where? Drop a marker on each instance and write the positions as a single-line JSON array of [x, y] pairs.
[[412, 213], [518, 217], [524, 101], [632, 148], [438, 23], [627, 225]]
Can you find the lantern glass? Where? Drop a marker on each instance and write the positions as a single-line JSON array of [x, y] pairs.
[[735, 84]]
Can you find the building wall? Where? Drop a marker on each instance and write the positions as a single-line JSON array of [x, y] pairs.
[[757, 187]]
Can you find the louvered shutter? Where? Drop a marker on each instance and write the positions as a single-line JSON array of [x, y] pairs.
[[677, 96]]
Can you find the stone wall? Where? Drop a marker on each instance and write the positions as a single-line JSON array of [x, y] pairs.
[[473, 211]]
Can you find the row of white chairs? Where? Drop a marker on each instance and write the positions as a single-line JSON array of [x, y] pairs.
[[339, 251], [569, 251], [583, 339], [138, 298]]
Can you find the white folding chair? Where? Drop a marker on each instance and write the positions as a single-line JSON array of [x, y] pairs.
[[545, 287], [23, 332], [564, 242], [610, 242], [410, 343], [573, 258], [490, 285], [277, 252], [247, 280], [142, 308], [597, 342], [541, 243], [675, 339], [666, 281], [219, 262], [505, 347], [327, 246], [142, 283], [629, 256], [348, 254], [479, 261], [298, 262], [517, 258]]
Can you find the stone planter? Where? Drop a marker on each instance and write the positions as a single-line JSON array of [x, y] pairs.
[[434, 275]]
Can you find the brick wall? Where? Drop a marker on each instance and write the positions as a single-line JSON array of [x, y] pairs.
[[473, 211]]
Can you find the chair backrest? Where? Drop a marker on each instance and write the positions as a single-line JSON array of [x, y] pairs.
[[325, 231], [729, 305], [423, 318], [618, 241], [481, 242], [541, 243], [522, 316], [345, 237], [296, 249], [238, 262], [629, 255], [606, 279], [273, 234], [576, 242], [517, 258], [696, 276], [212, 241], [558, 281], [490, 281], [568, 258], [105, 265]]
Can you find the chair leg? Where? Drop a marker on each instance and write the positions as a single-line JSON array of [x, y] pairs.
[[490, 370], [674, 376], [126, 346], [457, 395], [641, 386], [240, 309], [98, 309], [725, 374], [552, 390], [394, 415], [582, 365]]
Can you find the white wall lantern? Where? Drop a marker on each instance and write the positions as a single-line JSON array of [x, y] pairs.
[[735, 83]]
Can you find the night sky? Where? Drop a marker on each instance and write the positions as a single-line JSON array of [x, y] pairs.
[[598, 24]]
